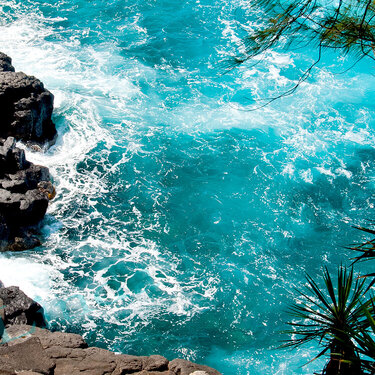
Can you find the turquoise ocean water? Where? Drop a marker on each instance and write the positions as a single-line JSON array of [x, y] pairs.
[[183, 222]]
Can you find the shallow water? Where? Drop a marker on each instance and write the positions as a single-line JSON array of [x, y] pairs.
[[182, 221]]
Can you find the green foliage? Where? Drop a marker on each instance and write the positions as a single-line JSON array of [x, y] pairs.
[[341, 319], [366, 252], [345, 26], [365, 340], [333, 316]]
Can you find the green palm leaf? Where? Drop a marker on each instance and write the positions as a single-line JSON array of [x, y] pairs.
[[333, 316], [365, 339]]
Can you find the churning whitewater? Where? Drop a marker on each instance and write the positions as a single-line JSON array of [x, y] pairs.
[[183, 221]]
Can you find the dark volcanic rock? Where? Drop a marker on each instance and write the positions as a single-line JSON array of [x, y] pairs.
[[25, 106], [29, 240], [4, 233], [18, 308], [5, 63], [65, 353], [25, 190]]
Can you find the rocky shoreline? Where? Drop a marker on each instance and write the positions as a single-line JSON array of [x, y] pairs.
[[25, 189], [27, 346]]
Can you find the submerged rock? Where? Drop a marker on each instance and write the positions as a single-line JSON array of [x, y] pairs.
[[25, 106], [25, 190]]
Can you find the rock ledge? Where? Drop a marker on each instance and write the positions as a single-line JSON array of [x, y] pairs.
[[27, 349], [54, 353]]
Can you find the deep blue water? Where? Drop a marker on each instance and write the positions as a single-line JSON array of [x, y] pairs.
[[183, 222]]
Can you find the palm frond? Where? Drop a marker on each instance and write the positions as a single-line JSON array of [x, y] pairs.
[[332, 315]]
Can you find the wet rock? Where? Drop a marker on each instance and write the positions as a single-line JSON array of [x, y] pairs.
[[18, 308], [4, 233], [31, 175], [2, 318], [47, 188], [14, 186], [23, 209], [2, 313], [12, 158], [26, 242], [5, 63], [25, 190], [25, 106]]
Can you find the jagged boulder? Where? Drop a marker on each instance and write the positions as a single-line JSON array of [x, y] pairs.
[[25, 190], [6, 63], [25, 106], [18, 308]]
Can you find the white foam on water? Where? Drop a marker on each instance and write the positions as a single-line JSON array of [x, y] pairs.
[[258, 362], [87, 94], [33, 278]]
